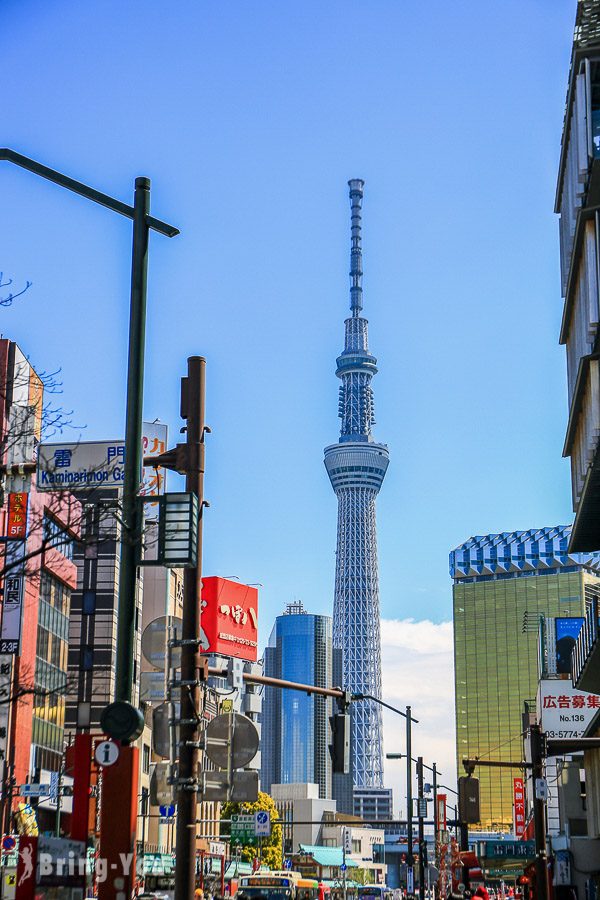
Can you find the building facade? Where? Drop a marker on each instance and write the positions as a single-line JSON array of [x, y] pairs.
[[502, 585], [356, 466], [37, 577], [295, 726], [578, 205]]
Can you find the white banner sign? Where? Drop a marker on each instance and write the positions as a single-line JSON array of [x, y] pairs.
[[564, 711], [98, 464], [75, 467]]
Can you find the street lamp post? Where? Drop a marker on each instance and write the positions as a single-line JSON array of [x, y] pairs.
[[143, 222], [121, 719]]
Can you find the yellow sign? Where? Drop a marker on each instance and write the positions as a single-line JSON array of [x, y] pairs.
[[227, 705]]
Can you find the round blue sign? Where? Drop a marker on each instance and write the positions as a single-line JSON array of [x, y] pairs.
[[8, 842]]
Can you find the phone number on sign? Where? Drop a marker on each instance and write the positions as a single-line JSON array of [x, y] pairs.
[[563, 734]]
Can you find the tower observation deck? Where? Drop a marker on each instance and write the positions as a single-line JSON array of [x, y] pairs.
[[356, 466]]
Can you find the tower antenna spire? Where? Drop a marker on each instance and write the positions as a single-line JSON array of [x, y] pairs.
[[356, 186], [356, 466]]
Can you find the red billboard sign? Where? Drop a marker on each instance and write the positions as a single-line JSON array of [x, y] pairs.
[[519, 806], [441, 811], [17, 517], [229, 618]]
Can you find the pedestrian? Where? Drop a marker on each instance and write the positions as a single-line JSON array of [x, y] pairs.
[[482, 892]]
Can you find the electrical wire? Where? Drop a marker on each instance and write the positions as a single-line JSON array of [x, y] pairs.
[[503, 744]]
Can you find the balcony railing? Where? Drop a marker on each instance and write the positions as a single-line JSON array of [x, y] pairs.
[[585, 658]]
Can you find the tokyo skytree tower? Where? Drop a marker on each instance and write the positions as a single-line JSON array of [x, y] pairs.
[[356, 466]]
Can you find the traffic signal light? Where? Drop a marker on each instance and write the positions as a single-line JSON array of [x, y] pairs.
[[468, 800], [340, 743]]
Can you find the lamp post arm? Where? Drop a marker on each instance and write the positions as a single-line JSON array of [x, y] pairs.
[[381, 703], [77, 187]]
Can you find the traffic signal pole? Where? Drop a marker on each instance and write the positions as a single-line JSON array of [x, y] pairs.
[[192, 409], [410, 860], [539, 813], [421, 828]]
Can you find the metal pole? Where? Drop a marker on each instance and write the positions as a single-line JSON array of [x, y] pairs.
[[58, 797], [132, 468], [435, 815], [193, 394], [410, 861], [539, 814], [421, 828], [464, 845], [344, 894]]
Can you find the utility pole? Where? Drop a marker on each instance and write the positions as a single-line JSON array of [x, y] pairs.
[[192, 409], [539, 812], [420, 795], [435, 815], [131, 533], [410, 860]]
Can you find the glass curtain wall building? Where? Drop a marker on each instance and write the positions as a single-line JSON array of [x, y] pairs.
[[502, 584], [295, 726]]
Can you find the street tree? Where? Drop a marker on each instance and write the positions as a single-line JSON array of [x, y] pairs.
[[271, 847]]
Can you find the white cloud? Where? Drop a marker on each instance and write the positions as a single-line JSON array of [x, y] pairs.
[[418, 669]]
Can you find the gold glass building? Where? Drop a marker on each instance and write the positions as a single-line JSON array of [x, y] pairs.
[[502, 584]]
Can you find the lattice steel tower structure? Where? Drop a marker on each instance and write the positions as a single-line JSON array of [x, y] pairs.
[[356, 466]]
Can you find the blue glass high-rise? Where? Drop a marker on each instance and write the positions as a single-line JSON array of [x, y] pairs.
[[295, 726]]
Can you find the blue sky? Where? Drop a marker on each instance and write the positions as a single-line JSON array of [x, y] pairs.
[[250, 118]]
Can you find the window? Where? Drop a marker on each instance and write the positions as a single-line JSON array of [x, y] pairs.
[[57, 536], [87, 658], [89, 602], [146, 759]]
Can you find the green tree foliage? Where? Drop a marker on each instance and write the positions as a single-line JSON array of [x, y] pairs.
[[271, 853]]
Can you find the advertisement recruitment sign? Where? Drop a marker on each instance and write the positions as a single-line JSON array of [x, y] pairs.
[[565, 711]]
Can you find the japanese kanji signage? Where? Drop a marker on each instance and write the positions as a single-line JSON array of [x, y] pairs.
[[243, 830], [564, 711], [5, 688], [154, 442], [229, 618], [98, 464], [79, 466], [12, 601], [519, 806], [16, 528]]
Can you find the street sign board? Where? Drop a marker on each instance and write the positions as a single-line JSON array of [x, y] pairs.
[[242, 829], [35, 790], [262, 823], [82, 465], [107, 753], [154, 642], [513, 850], [244, 787], [162, 790], [167, 811], [231, 733], [97, 464], [163, 734]]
